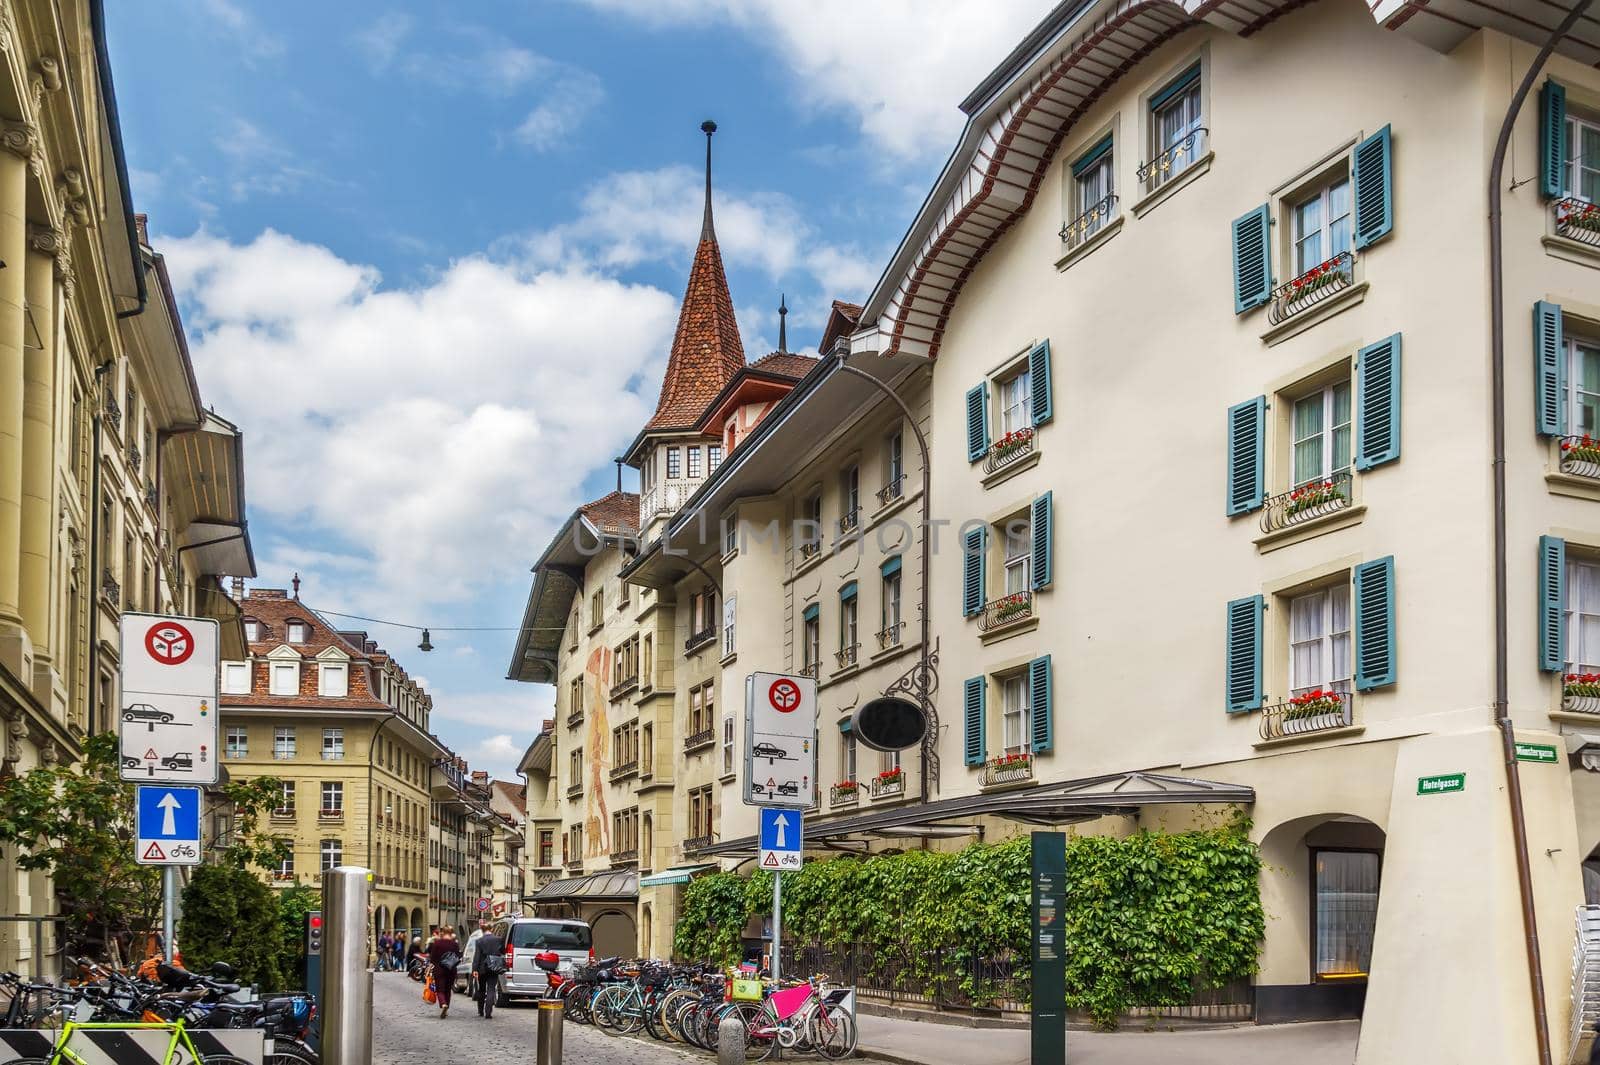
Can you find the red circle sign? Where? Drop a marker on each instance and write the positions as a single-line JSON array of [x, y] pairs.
[[169, 643], [784, 695]]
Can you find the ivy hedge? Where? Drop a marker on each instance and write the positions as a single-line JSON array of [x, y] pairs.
[[1149, 918]]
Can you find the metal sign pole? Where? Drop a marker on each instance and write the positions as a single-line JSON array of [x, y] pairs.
[[777, 925], [169, 911], [346, 980]]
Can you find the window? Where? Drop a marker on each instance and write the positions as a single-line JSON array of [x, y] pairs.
[[285, 678], [891, 601], [713, 457], [1017, 719], [1019, 555], [622, 593], [1016, 402], [546, 847], [1321, 434], [575, 768], [333, 796], [296, 632], [236, 678], [597, 608], [850, 497], [727, 626], [1176, 122], [730, 535], [1583, 164], [1319, 641], [286, 799], [1583, 384], [283, 742], [1093, 178], [674, 463], [811, 521], [847, 617], [1345, 912], [1321, 224], [890, 761], [1583, 615], [332, 744], [648, 659], [895, 465], [694, 462], [847, 756], [333, 680], [727, 746], [811, 641], [286, 863], [237, 742], [696, 709], [647, 747], [332, 854]]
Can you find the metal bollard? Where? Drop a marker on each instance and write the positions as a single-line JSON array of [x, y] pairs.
[[346, 1002], [730, 1040], [547, 1049]]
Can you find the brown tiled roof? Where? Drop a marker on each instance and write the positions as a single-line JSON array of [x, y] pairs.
[[842, 318], [614, 512], [515, 794], [706, 351], [273, 608], [852, 311], [786, 363]]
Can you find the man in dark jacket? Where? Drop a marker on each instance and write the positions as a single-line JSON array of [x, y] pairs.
[[488, 962]]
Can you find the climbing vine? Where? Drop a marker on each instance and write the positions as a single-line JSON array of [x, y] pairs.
[[1149, 918]]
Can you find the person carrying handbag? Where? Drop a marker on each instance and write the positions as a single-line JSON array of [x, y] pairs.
[[444, 956], [489, 963]]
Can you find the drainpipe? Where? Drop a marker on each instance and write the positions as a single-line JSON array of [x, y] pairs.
[[108, 92], [1497, 360], [92, 585]]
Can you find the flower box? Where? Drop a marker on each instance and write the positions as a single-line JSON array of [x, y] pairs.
[[846, 787], [1012, 606], [888, 776], [1581, 685], [1582, 449], [1575, 214], [1313, 711], [1011, 443], [1011, 761], [1310, 497]]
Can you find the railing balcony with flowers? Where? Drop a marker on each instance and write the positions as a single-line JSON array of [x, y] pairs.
[[1013, 768], [1312, 287], [1308, 501], [890, 637], [1580, 455], [112, 414], [850, 521], [1314, 711], [810, 549], [1580, 693], [703, 738], [135, 459], [282, 813], [1008, 449], [810, 669], [846, 656], [1578, 220], [1007, 610], [888, 783], [1173, 160], [1076, 233], [891, 491], [331, 813], [109, 586], [844, 793]]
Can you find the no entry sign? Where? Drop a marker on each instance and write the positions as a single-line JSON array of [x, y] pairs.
[[167, 719], [780, 754], [784, 695]]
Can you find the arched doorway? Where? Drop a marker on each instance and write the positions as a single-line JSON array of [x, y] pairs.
[[380, 922], [613, 932], [402, 922]]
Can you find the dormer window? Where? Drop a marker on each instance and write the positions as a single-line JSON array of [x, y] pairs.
[[333, 680], [252, 629], [297, 632], [285, 678]]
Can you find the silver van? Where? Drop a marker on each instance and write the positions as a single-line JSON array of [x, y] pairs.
[[527, 936]]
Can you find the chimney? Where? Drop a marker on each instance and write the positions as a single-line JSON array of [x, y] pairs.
[[238, 589], [480, 776]]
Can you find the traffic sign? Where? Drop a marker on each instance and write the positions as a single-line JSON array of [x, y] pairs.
[[167, 722], [781, 839], [483, 905], [780, 753], [167, 826]]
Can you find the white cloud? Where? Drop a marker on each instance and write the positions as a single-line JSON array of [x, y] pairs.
[[567, 102], [900, 66], [259, 163], [381, 41], [238, 24], [513, 706]]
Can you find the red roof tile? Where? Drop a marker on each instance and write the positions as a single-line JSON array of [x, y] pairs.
[[273, 610], [785, 363], [615, 512], [706, 351]]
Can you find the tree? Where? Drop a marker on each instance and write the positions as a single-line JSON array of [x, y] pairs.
[[293, 906], [247, 843], [230, 915]]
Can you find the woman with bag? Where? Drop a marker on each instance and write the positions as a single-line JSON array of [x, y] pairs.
[[444, 954]]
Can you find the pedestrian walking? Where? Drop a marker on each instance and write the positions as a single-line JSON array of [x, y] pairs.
[[444, 958], [488, 963], [469, 958], [385, 952], [413, 952], [399, 957]]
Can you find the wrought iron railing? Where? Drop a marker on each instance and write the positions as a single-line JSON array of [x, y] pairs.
[[151, 496], [1008, 769], [111, 413], [1308, 501], [135, 460], [1076, 232], [1007, 610], [574, 790], [810, 549], [1008, 449], [1580, 455], [885, 786], [1312, 287], [810, 669], [696, 843], [891, 491], [850, 520], [623, 857], [109, 586], [844, 794], [846, 655], [1173, 160], [575, 717], [1315, 711], [625, 685], [626, 769], [1577, 220], [890, 637], [700, 639], [703, 738]]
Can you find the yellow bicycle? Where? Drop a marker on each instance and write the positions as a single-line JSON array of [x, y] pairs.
[[103, 1042]]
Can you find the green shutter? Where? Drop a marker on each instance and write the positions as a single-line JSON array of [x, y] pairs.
[[1243, 667], [1553, 141], [1373, 591], [972, 720], [1042, 520], [1373, 178], [1039, 382], [1252, 259], [977, 421], [1092, 156], [1550, 370], [810, 613], [848, 591], [891, 567], [973, 542], [1247, 453], [1039, 704], [1378, 403], [1552, 604], [1175, 86], [846, 725]]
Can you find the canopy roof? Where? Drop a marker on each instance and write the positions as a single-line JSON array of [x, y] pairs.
[[595, 887]]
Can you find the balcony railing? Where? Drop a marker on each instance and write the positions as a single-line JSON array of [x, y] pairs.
[[890, 637], [1015, 445], [844, 794], [109, 587], [1312, 287], [1315, 711], [1008, 769], [846, 656], [1581, 694], [696, 843], [850, 521], [135, 460], [624, 686], [810, 549], [330, 813], [1306, 502], [1078, 231], [1577, 220], [1008, 610], [700, 639], [111, 412], [1174, 159], [884, 786], [810, 669], [283, 813], [624, 857], [574, 790], [891, 491], [665, 498], [1580, 455], [626, 769], [151, 496], [575, 717], [703, 738]]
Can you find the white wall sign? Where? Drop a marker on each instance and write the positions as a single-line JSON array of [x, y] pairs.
[[167, 722], [780, 750]]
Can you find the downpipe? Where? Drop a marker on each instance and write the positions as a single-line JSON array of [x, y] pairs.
[[1497, 360]]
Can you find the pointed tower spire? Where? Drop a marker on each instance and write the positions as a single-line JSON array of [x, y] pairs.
[[708, 127], [783, 323]]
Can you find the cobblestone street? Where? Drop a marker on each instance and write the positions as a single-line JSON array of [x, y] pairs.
[[407, 1031]]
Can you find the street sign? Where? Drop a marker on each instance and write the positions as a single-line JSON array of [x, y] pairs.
[[781, 839], [167, 722], [780, 732], [483, 905], [167, 828], [1049, 972], [1441, 784], [1537, 752]]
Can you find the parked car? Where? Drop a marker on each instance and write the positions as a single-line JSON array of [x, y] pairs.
[[145, 712], [527, 936], [768, 750], [181, 760], [788, 787]]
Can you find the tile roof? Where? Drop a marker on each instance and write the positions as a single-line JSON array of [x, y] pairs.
[[516, 794], [614, 512], [706, 350], [786, 363], [273, 610]]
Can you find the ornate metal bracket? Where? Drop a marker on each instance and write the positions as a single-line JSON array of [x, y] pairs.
[[921, 682]]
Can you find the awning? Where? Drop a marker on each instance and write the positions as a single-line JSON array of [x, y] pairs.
[[1065, 802], [204, 473], [681, 874], [622, 884]]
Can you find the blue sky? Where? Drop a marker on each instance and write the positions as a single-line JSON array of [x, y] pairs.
[[430, 256]]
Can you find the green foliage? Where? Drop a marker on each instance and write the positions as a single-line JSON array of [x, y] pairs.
[[293, 906], [230, 915], [1149, 919], [247, 844]]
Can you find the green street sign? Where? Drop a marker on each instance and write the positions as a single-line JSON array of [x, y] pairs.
[[1537, 752], [1441, 784]]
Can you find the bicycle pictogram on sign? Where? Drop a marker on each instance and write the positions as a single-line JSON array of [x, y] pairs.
[[784, 695], [169, 643]]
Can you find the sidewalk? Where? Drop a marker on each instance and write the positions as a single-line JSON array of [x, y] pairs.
[[926, 1043]]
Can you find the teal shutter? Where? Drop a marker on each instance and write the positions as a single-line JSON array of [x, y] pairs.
[[1373, 178], [811, 612], [848, 591], [1374, 623], [1550, 370], [1552, 604], [1042, 519], [1039, 382], [1252, 259], [1247, 454], [891, 567], [1552, 141], [977, 421], [972, 548], [1244, 654], [972, 718], [1039, 704], [1378, 403]]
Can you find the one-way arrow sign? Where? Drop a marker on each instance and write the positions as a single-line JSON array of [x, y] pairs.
[[781, 838], [167, 828]]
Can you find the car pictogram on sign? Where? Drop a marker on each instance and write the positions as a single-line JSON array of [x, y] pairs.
[[169, 643], [146, 712], [769, 750], [784, 695]]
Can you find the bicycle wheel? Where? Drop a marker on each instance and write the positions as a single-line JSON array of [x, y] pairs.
[[287, 1050], [604, 1008], [832, 1032], [654, 1022], [221, 1059], [760, 1039]]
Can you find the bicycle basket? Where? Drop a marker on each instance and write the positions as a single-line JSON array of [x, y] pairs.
[[654, 976], [747, 990]]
